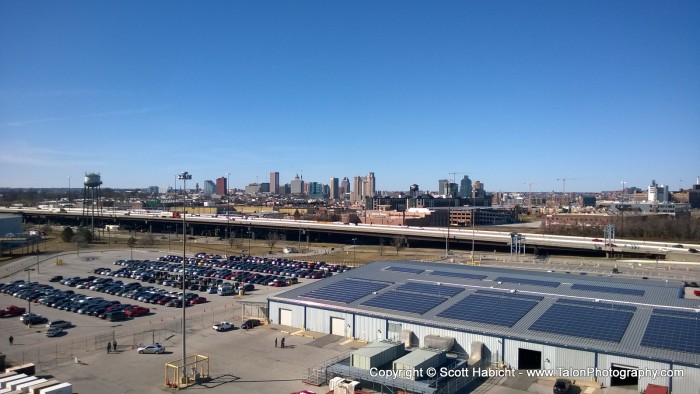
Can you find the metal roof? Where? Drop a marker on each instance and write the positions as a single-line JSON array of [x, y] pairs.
[[643, 294]]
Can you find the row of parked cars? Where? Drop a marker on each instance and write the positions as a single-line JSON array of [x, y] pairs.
[[69, 300]]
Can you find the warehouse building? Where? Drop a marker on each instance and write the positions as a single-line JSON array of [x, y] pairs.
[[597, 327]]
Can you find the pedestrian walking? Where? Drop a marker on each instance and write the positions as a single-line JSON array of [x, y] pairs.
[[12, 340], [114, 345], [282, 343], [109, 347], [275, 341]]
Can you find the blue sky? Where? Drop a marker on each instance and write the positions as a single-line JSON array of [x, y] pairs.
[[508, 92]]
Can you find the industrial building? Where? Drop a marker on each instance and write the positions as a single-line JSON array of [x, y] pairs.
[[561, 321]]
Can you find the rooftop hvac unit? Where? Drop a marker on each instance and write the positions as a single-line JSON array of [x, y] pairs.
[[346, 387]]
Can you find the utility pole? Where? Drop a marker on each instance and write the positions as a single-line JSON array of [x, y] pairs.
[[185, 176]]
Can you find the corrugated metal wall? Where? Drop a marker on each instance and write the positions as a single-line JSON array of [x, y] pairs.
[[689, 383], [573, 360], [297, 313], [320, 320], [605, 362], [369, 329]]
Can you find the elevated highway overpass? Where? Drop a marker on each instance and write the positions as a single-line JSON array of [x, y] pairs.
[[458, 237]]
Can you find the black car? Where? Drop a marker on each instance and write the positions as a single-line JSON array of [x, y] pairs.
[[562, 386], [33, 320], [56, 278], [248, 324]]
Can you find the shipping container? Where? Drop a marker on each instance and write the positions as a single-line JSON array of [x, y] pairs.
[[376, 354]]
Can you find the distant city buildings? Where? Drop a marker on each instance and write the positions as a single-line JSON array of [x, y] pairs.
[[209, 188], [297, 185], [222, 186], [275, 182]]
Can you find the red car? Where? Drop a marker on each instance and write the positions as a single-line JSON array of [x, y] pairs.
[[137, 311], [597, 240], [198, 300], [11, 310]]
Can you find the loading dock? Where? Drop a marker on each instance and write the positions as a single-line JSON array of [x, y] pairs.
[[285, 317], [616, 378], [529, 359], [337, 326]]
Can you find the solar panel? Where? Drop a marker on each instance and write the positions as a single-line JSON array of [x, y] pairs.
[[606, 289], [405, 302], [672, 333], [405, 269], [500, 311], [533, 282], [346, 290], [511, 295], [458, 275], [427, 288], [600, 305], [577, 321], [674, 312]]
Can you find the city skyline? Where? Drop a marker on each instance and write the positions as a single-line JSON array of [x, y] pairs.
[[516, 95]]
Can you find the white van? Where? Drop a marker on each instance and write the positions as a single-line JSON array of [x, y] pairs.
[[225, 290]]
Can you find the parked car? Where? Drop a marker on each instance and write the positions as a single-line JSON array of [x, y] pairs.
[[248, 324], [562, 386], [54, 331], [223, 326], [154, 348], [692, 250], [137, 311], [116, 316], [11, 310], [59, 324], [56, 278], [34, 320]]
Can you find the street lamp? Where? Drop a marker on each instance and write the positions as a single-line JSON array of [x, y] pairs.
[[29, 280], [354, 251], [228, 208], [185, 176]]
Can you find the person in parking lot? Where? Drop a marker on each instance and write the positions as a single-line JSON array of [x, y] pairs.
[[282, 343], [275, 341], [114, 344], [12, 340], [109, 347]]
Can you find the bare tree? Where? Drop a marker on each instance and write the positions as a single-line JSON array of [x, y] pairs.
[[399, 242], [147, 240], [272, 239]]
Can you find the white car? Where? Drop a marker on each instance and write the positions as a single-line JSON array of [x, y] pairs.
[[155, 348], [54, 331], [223, 326]]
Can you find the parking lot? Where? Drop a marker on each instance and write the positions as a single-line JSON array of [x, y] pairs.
[[240, 360]]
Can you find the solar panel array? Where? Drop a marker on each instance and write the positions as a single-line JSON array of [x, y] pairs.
[[462, 275], [674, 312], [673, 330], [533, 282], [405, 302], [405, 269], [427, 288], [346, 290], [500, 311], [511, 295], [606, 289], [600, 305], [584, 322]]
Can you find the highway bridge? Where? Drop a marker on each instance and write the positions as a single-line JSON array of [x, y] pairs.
[[248, 226]]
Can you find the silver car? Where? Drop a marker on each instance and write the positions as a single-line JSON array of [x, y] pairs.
[[54, 331], [155, 348]]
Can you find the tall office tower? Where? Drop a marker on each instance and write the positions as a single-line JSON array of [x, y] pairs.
[[356, 194], [370, 182], [209, 188], [297, 185], [414, 190], [479, 191], [344, 186], [443, 184], [221, 186], [334, 193], [275, 182], [465, 189]]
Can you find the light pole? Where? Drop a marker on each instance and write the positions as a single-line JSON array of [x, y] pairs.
[[354, 251], [29, 280], [185, 176], [228, 209]]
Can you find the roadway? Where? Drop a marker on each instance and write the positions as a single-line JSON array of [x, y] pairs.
[[456, 234]]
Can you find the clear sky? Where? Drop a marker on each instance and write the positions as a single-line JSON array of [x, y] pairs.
[[508, 92]]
